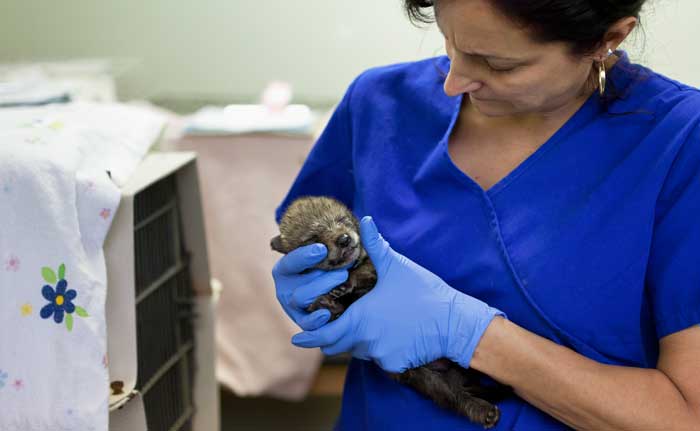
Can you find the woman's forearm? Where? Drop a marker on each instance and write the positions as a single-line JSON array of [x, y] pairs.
[[576, 390]]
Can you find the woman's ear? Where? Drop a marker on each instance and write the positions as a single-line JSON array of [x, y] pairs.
[[276, 244], [617, 33]]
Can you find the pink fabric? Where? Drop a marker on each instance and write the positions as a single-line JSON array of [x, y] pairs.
[[243, 179]]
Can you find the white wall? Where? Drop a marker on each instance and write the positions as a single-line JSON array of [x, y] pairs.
[[669, 41], [232, 48]]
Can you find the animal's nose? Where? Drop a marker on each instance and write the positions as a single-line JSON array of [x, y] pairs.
[[343, 240]]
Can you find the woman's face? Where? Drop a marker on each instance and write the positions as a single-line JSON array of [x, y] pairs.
[[502, 69]]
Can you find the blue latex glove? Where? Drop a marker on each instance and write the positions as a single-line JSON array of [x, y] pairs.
[[409, 319], [297, 291]]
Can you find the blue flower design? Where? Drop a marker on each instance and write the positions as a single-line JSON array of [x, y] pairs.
[[60, 301], [3, 378]]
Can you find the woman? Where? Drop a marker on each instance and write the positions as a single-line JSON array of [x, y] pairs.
[[541, 200]]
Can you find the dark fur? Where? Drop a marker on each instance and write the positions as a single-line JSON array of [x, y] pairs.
[[310, 220]]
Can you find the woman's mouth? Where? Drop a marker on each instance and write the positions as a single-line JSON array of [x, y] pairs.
[[477, 98]]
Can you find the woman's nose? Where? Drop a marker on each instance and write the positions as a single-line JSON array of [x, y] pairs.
[[456, 84]]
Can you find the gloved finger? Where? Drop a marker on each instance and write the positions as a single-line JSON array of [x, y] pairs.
[[291, 281], [325, 335], [390, 366], [300, 259], [376, 246], [314, 320], [305, 295], [342, 346]]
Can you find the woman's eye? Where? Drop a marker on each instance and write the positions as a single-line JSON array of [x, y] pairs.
[[500, 69]]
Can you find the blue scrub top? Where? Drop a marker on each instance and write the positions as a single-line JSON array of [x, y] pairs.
[[591, 242]]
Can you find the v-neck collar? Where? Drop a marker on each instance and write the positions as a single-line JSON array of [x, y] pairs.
[[586, 111]]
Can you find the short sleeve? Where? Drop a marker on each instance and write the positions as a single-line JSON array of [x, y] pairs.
[[673, 276], [328, 169]]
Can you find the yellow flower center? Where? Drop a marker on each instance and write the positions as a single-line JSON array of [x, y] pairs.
[[26, 309], [59, 300]]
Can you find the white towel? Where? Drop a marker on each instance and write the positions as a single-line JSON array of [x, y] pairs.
[[56, 206]]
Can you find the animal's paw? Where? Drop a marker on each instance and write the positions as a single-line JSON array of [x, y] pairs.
[[340, 291], [492, 417], [328, 302]]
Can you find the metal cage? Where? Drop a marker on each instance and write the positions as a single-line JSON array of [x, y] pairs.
[[164, 309]]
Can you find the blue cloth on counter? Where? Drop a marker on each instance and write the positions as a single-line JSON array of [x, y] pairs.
[[591, 242], [65, 98]]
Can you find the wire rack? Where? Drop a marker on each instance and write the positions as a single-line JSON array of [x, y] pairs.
[[164, 309]]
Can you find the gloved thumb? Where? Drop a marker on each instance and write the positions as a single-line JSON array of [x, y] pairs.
[[376, 246]]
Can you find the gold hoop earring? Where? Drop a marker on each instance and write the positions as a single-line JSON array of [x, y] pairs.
[[602, 77]]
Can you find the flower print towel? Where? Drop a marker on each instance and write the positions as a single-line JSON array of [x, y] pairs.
[[60, 168]]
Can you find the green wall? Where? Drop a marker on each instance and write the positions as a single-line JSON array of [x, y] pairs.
[[231, 48]]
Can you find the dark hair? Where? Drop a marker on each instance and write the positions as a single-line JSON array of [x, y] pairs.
[[581, 23]]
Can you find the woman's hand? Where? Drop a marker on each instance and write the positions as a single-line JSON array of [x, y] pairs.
[[296, 291], [409, 319]]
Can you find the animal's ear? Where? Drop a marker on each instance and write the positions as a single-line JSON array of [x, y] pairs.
[[276, 244]]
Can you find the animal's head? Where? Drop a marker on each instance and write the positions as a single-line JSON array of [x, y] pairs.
[[310, 220]]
